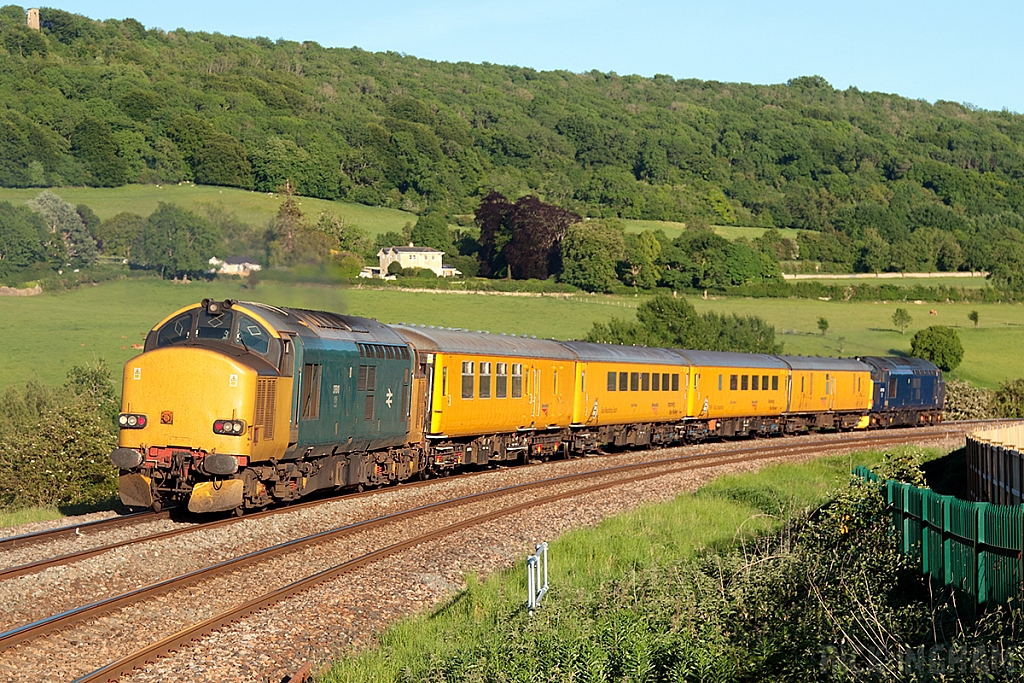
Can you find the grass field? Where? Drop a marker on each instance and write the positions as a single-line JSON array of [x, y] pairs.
[[730, 232], [49, 333], [254, 208], [939, 281]]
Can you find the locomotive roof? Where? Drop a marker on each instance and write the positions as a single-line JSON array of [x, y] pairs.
[[614, 353], [824, 363], [730, 359], [440, 340], [325, 324], [902, 366]]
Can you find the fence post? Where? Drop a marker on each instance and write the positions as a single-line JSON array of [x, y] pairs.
[[980, 555]]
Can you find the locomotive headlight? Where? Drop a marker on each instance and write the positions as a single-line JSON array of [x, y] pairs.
[[131, 421], [229, 427]]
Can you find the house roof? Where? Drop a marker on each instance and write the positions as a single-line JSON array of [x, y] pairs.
[[416, 250]]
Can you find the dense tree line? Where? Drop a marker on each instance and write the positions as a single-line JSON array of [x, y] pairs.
[[887, 183]]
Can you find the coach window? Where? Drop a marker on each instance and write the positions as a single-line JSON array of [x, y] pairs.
[[675, 382], [656, 381], [775, 382], [634, 381], [485, 379], [828, 386], [802, 390], [623, 381], [517, 380], [611, 381], [719, 382], [555, 381], [753, 383], [764, 382], [175, 331], [645, 381], [501, 380], [467, 379], [444, 381], [664, 381], [743, 383], [734, 382]]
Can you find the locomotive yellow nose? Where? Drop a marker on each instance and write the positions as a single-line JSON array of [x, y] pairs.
[[184, 392]]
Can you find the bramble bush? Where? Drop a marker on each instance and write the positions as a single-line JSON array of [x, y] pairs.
[[54, 442]]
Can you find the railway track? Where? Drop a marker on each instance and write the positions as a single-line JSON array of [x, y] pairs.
[[577, 484]]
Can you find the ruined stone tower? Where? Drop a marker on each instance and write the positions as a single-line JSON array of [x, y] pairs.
[[33, 19]]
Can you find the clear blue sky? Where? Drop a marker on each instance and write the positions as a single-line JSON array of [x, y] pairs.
[[943, 49]]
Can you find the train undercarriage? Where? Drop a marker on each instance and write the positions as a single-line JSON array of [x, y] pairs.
[[180, 476]]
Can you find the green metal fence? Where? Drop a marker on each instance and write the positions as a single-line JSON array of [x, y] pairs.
[[973, 548]]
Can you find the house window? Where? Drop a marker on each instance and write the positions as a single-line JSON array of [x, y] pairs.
[[485, 380], [656, 382], [611, 381], [517, 380], [645, 381], [501, 380], [467, 379], [634, 381], [311, 391], [623, 381]]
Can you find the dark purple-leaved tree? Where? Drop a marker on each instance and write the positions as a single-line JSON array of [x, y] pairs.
[[521, 239]]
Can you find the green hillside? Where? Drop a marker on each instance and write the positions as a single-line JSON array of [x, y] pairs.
[[253, 208]]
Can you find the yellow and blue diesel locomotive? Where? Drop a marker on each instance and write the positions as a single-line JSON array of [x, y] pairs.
[[239, 405]]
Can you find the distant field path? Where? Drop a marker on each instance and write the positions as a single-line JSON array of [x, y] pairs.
[[878, 276]]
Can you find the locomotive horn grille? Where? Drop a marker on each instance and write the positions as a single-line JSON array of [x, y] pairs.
[[266, 406]]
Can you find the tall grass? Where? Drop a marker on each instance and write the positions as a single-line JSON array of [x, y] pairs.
[[480, 618]]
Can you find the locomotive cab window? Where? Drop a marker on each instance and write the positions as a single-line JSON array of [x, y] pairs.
[[175, 331], [252, 336], [214, 327]]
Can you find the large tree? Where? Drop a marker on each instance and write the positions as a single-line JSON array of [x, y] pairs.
[[22, 235], [938, 344], [521, 238], [590, 251], [176, 241], [64, 221]]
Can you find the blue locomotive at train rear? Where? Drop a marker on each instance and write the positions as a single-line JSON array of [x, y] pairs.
[[907, 391], [238, 405]]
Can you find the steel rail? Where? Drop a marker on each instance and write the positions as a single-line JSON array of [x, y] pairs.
[[47, 563], [35, 537], [113, 671], [28, 632]]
